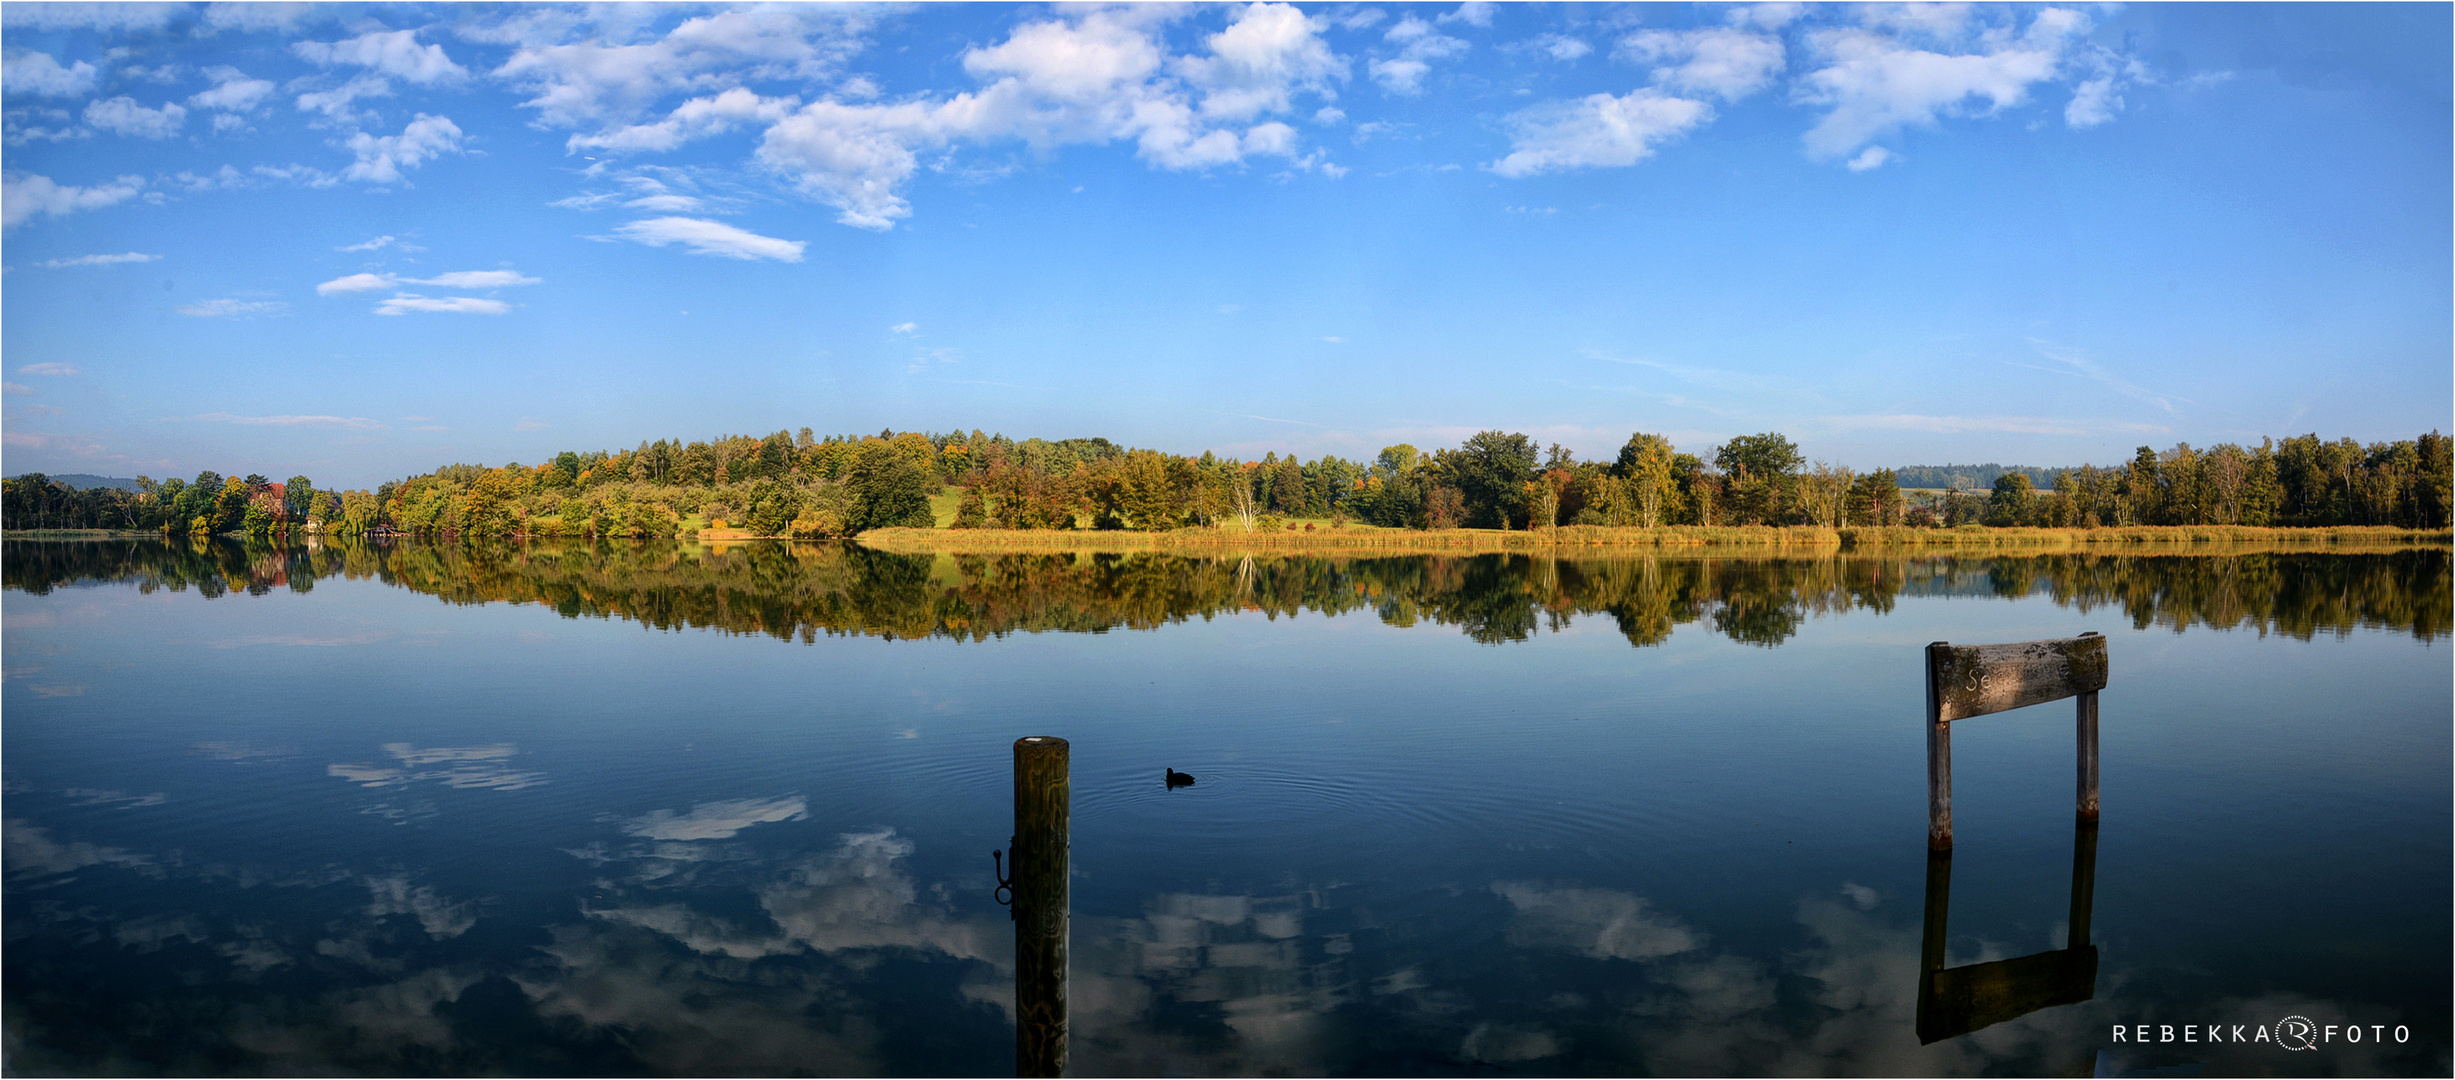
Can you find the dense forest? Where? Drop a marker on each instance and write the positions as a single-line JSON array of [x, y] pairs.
[[798, 485]]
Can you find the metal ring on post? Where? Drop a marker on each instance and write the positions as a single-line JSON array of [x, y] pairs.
[[1004, 893]]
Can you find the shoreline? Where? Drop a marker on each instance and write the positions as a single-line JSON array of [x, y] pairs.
[[1681, 539], [1691, 539]]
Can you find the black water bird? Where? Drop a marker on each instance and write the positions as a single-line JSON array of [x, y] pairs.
[[1177, 780]]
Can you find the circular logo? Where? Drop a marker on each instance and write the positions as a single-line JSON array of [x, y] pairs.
[[2295, 1033]]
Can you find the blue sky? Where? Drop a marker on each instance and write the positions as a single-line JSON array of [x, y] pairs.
[[362, 241]]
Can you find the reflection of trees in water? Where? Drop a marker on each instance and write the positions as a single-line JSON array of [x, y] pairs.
[[802, 590]]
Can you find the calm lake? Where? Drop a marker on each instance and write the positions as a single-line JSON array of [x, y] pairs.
[[666, 809]]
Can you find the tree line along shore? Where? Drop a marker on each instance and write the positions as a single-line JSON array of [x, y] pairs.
[[1753, 489]]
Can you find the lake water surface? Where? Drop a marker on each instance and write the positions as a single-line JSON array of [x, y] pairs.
[[666, 809]]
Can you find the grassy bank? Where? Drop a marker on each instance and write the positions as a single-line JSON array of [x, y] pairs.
[[1682, 537]]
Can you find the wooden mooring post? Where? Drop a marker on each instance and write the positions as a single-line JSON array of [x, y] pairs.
[[1963, 681], [1043, 802]]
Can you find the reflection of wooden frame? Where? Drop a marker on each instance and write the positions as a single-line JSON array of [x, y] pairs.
[[1963, 681], [1957, 1001]]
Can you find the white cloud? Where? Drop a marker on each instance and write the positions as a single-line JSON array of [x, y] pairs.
[[1605, 924], [382, 157], [466, 766], [396, 53], [123, 116], [93, 16], [1770, 16], [1472, 13], [1870, 158], [2094, 102], [1727, 63], [440, 918], [53, 369], [20, 128], [852, 157], [1561, 46], [704, 237], [26, 72], [232, 309], [1599, 130], [232, 91], [697, 118], [354, 283], [1099, 76], [15, 388], [1419, 45], [904, 328], [357, 422], [586, 73], [377, 244], [1941, 23], [1269, 52], [1875, 84], [2078, 364], [475, 279], [2099, 97], [664, 204], [97, 260], [295, 174], [165, 74], [24, 196], [404, 303], [715, 820], [458, 279], [334, 104], [276, 16]]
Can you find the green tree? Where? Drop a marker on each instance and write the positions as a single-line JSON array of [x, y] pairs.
[[1761, 476], [1396, 461], [972, 512], [1489, 474], [229, 508], [300, 494], [773, 506], [1645, 466], [1823, 493], [1768, 454], [2013, 501], [1288, 493], [889, 488], [1151, 499], [1875, 498]]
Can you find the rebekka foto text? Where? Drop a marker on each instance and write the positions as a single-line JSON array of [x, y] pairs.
[[2291, 1033]]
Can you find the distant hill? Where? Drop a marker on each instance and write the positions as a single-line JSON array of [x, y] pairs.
[[81, 481], [1971, 477]]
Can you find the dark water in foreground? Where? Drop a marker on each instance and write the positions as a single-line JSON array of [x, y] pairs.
[[282, 812]]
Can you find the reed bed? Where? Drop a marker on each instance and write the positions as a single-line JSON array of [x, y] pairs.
[[1981, 537]]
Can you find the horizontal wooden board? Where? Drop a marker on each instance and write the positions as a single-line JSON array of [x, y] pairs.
[[1973, 680], [1957, 1001]]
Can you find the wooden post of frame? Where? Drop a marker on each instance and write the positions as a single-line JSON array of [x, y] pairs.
[[1963, 681], [1043, 805], [1957, 1001]]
